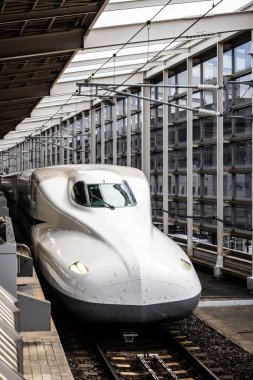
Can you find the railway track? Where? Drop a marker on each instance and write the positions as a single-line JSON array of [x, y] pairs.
[[189, 348], [152, 353]]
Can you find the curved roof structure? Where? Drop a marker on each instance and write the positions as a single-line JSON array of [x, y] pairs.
[[37, 40], [130, 39]]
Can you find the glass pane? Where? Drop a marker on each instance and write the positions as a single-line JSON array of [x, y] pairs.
[[182, 159], [171, 82], [181, 111], [243, 127], [196, 75], [182, 80], [160, 116], [243, 216], [152, 139], [172, 185], [227, 155], [160, 91], [182, 185], [210, 185], [160, 184], [210, 71], [121, 107], [196, 130], [171, 136], [172, 160], [182, 134], [209, 214], [153, 162], [160, 161], [227, 186], [159, 139], [108, 131], [153, 116], [209, 129], [243, 186], [196, 185], [243, 154], [227, 62], [135, 122], [196, 158], [172, 210], [79, 194], [104, 195], [196, 100], [242, 56], [243, 92], [210, 100], [209, 157], [152, 184], [182, 211]]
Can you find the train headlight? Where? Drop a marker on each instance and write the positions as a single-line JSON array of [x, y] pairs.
[[186, 266], [79, 268]]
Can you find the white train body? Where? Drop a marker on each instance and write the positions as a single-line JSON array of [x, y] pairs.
[[94, 242]]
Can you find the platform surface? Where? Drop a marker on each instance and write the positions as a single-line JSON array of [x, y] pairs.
[[43, 355], [227, 306]]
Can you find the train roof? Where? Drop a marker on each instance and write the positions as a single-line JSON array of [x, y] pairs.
[[94, 170]]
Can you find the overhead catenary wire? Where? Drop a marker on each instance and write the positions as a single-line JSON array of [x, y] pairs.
[[129, 40], [208, 218], [141, 67], [158, 54]]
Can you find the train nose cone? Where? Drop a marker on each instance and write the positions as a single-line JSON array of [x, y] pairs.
[[141, 292]]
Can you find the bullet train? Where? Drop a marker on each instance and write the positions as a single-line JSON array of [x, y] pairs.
[[94, 242]]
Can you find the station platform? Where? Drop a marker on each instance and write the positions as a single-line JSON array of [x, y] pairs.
[[43, 355], [227, 306]]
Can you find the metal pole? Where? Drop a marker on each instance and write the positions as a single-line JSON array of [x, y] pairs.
[[114, 132], [62, 144], [250, 279], [129, 120], [189, 160], [220, 204], [102, 133], [92, 135], [145, 146], [165, 152], [74, 143], [56, 147], [82, 139]]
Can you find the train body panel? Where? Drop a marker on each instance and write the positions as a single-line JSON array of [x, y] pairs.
[[95, 244]]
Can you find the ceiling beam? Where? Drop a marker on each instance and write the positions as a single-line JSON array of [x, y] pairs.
[[14, 115], [161, 31], [143, 4], [42, 78], [120, 58], [86, 8], [110, 68], [30, 46], [31, 69], [26, 92]]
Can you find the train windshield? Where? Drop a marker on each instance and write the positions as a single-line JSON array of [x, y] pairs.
[[110, 195]]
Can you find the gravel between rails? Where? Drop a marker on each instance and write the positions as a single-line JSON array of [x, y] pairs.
[[235, 361]]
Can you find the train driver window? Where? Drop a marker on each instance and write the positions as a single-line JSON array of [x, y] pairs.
[[111, 195], [79, 193]]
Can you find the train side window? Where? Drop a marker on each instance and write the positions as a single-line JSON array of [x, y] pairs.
[[131, 194], [79, 193]]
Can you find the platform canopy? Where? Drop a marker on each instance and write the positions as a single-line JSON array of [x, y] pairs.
[[47, 47], [38, 38]]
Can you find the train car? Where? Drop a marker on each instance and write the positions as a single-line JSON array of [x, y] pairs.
[[94, 242]]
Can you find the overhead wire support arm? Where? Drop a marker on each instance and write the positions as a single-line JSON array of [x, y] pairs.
[[246, 82], [201, 87], [200, 112]]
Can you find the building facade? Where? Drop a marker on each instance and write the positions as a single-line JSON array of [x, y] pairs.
[[199, 165]]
